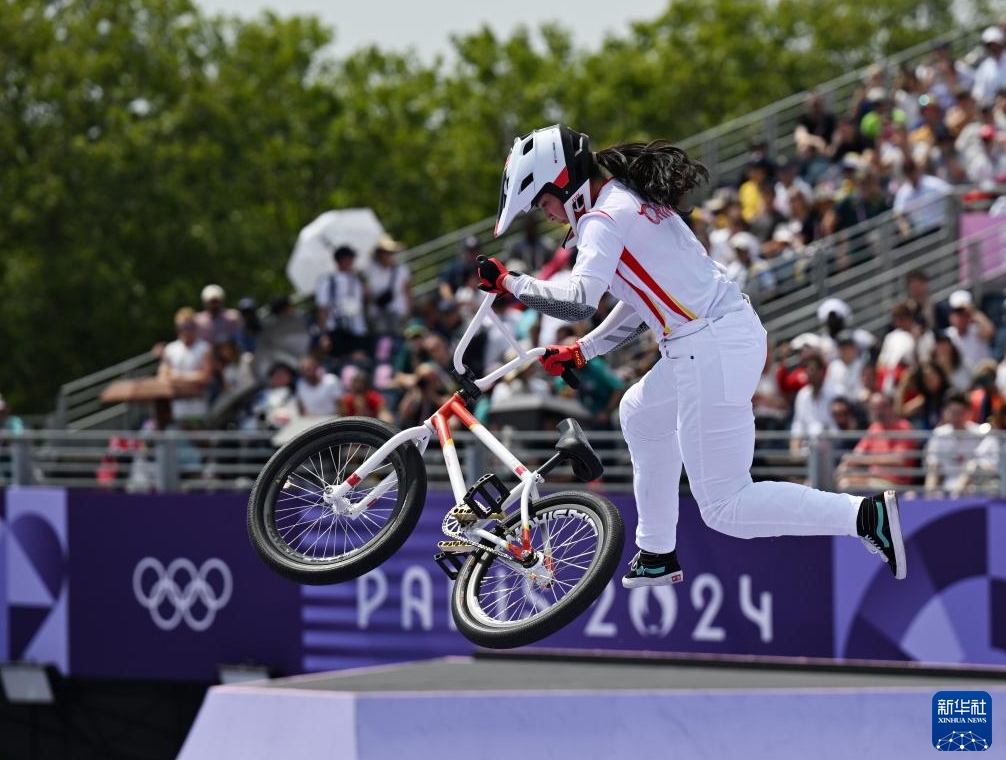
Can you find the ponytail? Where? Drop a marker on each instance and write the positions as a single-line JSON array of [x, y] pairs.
[[660, 172]]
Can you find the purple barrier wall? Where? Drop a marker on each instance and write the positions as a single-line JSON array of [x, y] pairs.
[[119, 585]]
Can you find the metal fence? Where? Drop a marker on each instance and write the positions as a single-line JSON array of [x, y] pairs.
[[173, 462]]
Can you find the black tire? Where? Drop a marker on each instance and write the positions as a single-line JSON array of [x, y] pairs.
[[308, 542], [580, 521]]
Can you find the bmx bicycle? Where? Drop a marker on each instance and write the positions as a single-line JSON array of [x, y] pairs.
[[339, 499]]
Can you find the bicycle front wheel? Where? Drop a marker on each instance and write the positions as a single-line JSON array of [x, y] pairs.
[[308, 538], [577, 538]]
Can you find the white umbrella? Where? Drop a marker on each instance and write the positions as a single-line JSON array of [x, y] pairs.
[[358, 228]]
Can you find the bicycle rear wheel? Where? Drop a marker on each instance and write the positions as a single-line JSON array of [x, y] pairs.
[[307, 539], [500, 604]]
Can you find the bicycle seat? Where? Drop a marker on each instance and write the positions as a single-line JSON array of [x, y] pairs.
[[574, 446]]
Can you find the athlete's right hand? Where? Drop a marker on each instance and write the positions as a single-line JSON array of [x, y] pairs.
[[562, 360], [492, 273]]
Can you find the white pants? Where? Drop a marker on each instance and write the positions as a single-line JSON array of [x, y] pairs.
[[694, 408]]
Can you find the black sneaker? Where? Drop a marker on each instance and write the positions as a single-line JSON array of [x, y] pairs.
[[647, 569], [879, 528]]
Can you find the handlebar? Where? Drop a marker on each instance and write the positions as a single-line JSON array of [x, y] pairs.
[[524, 356]]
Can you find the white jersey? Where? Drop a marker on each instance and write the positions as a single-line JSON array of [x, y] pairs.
[[648, 259]]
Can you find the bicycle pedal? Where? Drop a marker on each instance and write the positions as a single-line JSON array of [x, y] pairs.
[[455, 547]]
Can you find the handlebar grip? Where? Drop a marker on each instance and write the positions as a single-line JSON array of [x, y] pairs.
[[571, 379]]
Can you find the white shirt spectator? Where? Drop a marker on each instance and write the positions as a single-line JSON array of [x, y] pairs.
[[812, 416], [972, 346], [949, 451], [322, 398], [989, 77], [183, 358], [898, 347], [845, 379], [381, 279], [923, 205], [342, 294]]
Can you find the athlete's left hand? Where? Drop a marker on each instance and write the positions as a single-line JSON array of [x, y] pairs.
[[491, 275]]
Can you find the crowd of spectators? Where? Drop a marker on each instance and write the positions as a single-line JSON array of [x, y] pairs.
[[367, 345], [906, 141]]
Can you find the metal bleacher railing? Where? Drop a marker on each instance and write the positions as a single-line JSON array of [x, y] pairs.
[[168, 462]]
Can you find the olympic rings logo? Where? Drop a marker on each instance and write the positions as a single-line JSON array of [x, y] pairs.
[[183, 589]]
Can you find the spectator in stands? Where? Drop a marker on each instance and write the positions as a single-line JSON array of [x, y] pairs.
[[462, 270], [991, 72], [921, 395], [866, 201], [786, 180], [844, 372], [920, 302], [362, 400], [951, 447], [984, 395], [906, 91], [215, 322], [847, 139], [749, 193], [720, 249], [534, 249], [897, 350], [920, 203], [187, 364], [970, 330], [982, 472], [771, 408], [880, 460], [9, 422], [763, 224], [948, 356], [923, 139], [232, 368], [427, 394], [812, 408], [970, 143], [848, 423], [251, 325], [878, 120], [276, 405], [988, 167], [874, 78], [389, 289], [813, 134], [317, 390], [932, 71], [752, 274], [339, 299], [962, 112]]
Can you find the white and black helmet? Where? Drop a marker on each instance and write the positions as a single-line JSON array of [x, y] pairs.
[[555, 160]]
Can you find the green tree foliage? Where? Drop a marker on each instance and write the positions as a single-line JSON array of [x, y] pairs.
[[149, 149]]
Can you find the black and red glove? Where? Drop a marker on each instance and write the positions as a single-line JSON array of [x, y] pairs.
[[491, 275], [562, 360]]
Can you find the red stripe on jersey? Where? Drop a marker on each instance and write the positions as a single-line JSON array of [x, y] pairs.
[[600, 211], [648, 301], [563, 179], [642, 274]]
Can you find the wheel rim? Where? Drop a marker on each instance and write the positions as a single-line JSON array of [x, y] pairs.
[[500, 593], [305, 528]]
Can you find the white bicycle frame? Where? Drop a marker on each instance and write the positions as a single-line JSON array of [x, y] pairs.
[[438, 424]]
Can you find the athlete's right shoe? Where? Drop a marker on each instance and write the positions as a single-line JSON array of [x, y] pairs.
[[879, 527], [648, 569]]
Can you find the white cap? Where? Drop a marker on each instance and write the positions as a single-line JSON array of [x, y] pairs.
[[837, 305], [744, 240], [809, 340], [993, 34], [960, 299], [211, 292]]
